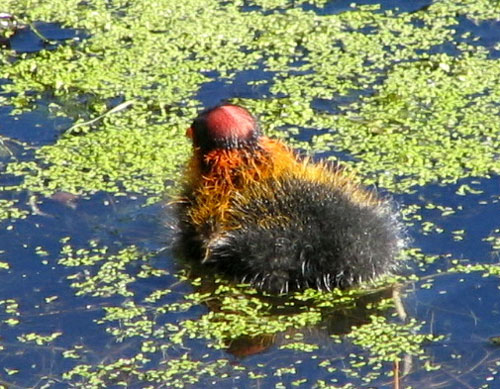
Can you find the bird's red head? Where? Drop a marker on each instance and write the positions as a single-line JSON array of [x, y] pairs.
[[225, 126]]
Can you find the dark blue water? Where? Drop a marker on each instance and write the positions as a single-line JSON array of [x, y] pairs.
[[42, 36], [465, 308], [334, 7]]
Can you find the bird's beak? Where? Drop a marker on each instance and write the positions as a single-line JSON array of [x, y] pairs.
[[189, 133]]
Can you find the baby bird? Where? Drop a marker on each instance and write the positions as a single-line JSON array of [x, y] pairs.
[[255, 211]]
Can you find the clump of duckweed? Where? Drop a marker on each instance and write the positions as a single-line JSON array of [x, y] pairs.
[[127, 155], [11, 314], [177, 372], [421, 116], [494, 240], [38, 339], [133, 319], [8, 210], [390, 342], [486, 269], [240, 315], [236, 315], [300, 346], [112, 274]]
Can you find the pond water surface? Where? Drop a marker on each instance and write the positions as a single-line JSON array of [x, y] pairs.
[[91, 294]]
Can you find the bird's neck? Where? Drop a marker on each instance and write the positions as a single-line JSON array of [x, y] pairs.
[[214, 177]]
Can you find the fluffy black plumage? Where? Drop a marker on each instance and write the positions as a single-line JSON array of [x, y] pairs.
[[298, 234]]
